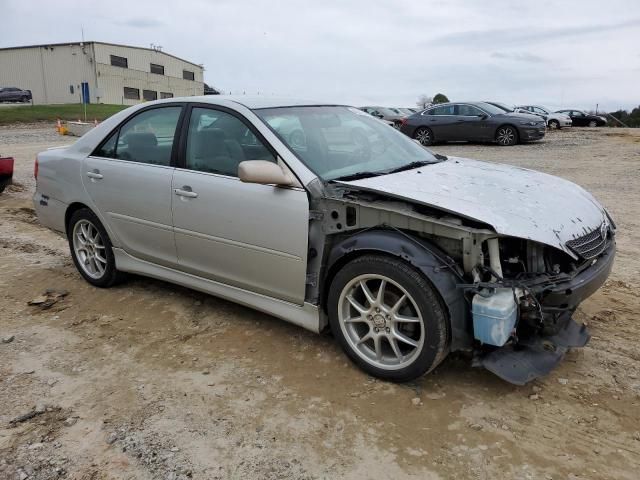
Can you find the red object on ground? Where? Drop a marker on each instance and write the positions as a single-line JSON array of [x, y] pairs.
[[6, 166], [6, 172]]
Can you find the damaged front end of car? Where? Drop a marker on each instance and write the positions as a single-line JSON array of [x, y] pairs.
[[510, 299], [523, 297]]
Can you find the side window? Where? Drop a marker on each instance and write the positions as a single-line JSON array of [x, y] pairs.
[[539, 110], [108, 149], [444, 110], [468, 111], [146, 138], [218, 141]]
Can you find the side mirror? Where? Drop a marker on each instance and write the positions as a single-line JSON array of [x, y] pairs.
[[483, 116], [263, 172]]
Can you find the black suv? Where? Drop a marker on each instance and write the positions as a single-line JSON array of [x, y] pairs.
[[14, 94]]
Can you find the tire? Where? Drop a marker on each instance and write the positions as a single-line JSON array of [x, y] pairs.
[[554, 124], [593, 123], [410, 334], [506, 136], [424, 135], [25, 99], [97, 269]]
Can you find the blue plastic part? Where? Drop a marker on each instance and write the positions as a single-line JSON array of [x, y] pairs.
[[494, 316]]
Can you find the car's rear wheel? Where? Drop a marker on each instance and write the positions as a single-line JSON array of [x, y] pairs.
[[506, 136], [388, 318], [424, 135], [91, 249], [593, 123], [554, 124]]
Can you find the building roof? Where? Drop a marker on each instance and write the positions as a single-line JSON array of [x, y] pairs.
[[69, 44]]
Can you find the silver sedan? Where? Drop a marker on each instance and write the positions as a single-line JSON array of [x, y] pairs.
[[325, 217]]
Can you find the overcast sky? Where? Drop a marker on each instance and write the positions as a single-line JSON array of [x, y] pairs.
[[557, 53]]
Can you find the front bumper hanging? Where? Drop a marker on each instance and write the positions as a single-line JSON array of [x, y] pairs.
[[537, 356]]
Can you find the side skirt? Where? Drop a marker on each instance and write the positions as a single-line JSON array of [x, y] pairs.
[[307, 315]]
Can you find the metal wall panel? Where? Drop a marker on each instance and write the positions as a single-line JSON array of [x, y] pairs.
[[50, 71]]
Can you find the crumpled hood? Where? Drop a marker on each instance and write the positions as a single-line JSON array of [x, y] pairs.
[[514, 201]]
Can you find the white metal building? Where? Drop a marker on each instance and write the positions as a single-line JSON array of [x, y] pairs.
[[101, 72]]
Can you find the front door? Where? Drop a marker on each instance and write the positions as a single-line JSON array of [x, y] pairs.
[[247, 235], [129, 180], [470, 124]]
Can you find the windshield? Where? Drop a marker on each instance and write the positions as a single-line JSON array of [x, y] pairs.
[[336, 142], [504, 107], [492, 109]]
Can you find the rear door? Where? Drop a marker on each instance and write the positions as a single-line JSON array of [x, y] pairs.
[[129, 180], [441, 120], [247, 235]]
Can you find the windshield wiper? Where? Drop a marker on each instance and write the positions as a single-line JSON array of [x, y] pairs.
[[357, 176], [411, 166]]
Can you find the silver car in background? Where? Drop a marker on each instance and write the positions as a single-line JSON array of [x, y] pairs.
[[324, 216]]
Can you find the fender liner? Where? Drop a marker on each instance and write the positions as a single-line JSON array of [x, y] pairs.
[[434, 264]]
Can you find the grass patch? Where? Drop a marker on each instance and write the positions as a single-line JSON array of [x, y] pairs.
[[50, 113]]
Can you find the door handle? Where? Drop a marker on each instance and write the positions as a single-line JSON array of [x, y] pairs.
[[95, 175], [185, 191]]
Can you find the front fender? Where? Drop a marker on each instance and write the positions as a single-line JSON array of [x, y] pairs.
[[434, 264]]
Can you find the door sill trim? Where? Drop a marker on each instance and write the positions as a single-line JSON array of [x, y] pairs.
[[306, 315]]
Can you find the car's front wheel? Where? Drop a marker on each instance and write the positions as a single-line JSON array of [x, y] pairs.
[[507, 136], [593, 123], [554, 124], [388, 318], [91, 249], [423, 135]]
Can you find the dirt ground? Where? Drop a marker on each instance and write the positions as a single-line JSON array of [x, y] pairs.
[[148, 380]]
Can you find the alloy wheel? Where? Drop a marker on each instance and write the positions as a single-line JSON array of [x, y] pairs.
[[506, 136], [89, 248], [384, 328], [423, 135], [593, 123]]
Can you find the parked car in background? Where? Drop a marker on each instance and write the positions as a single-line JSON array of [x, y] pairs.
[[386, 113], [407, 111], [583, 119], [14, 94], [404, 254], [554, 119], [472, 121]]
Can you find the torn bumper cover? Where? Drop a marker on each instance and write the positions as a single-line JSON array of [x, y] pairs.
[[533, 356]]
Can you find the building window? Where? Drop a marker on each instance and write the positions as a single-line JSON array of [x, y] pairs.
[[71, 91], [119, 61], [187, 75], [131, 93], [155, 68], [166, 95], [149, 95]]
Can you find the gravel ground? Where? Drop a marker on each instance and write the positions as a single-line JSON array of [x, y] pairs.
[[148, 380]]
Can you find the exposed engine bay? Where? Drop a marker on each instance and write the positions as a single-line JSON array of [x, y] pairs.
[[518, 295]]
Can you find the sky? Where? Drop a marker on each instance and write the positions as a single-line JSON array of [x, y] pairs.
[[562, 54]]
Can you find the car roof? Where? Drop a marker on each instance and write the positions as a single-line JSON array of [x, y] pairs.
[[254, 102]]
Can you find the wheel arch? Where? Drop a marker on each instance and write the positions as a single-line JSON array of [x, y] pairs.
[[71, 209], [423, 256]]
